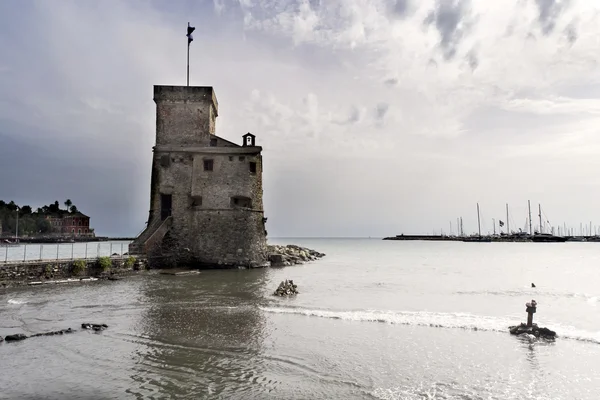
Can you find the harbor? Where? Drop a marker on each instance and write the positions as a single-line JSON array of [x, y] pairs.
[[544, 232]]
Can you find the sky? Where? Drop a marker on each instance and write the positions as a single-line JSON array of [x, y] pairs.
[[376, 117]]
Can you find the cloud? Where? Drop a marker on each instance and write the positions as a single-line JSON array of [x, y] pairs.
[[450, 19], [345, 96], [549, 12]]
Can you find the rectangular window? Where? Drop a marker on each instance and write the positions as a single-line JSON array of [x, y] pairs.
[[196, 201], [242, 158], [208, 165], [252, 167], [213, 142]]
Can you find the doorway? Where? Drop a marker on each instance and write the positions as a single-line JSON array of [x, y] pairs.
[[166, 201]]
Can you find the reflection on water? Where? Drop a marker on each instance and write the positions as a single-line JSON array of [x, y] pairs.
[[203, 335]]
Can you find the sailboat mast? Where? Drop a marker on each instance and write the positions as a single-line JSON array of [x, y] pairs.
[[540, 209], [478, 221], [507, 223], [529, 206]]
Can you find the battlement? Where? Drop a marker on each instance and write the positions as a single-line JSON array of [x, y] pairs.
[[193, 94]]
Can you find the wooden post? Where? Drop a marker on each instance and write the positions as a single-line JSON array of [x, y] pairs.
[[531, 308]]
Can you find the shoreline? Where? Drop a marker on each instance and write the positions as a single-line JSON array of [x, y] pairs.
[[45, 272]]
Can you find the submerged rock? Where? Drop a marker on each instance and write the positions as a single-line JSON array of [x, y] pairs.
[[286, 288], [534, 330], [291, 254], [95, 327], [15, 338]]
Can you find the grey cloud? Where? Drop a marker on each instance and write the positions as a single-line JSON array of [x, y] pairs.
[[381, 110], [472, 59], [549, 11], [447, 18], [571, 33], [391, 82], [354, 115], [399, 7]]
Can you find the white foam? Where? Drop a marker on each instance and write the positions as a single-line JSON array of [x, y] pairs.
[[433, 319], [16, 301], [422, 318]]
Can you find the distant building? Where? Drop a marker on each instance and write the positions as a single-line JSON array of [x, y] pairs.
[[72, 224]]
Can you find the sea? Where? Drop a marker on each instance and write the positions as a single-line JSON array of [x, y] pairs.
[[374, 319]]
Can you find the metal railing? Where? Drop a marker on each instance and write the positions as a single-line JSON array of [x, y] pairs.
[[62, 251]]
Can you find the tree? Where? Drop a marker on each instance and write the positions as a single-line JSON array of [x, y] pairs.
[[26, 210], [12, 206], [68, 203], [54, 208], [74, 209]]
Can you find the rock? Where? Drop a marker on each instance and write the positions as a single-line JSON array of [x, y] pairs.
[[276, 258], [291, 255], [286, 288], [15, 338], [534, 330], [95, 327]]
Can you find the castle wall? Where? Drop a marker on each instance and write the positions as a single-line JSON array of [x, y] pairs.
[[217, 215], [185, 116]]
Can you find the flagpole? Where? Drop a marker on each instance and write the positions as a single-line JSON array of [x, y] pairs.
[[188, 61]]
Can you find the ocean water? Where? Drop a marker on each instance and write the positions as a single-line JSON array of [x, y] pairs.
[[374, 320]]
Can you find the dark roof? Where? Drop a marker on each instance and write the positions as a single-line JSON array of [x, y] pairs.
[[248, 134], [228, 141]]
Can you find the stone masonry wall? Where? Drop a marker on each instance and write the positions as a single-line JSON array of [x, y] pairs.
[[212, 229], [185, 116], [19, 274], [207, 226]]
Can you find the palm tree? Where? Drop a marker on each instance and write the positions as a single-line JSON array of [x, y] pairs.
[[68, 203]]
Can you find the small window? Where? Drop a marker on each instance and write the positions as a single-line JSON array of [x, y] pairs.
[[230, 158], [196, 201], [213, 142], [242, 158], [208, 165], [252, 167], [241, 201], [165, 160]]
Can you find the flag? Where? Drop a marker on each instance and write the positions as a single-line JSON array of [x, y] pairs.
[[501, 223], [189, 33]]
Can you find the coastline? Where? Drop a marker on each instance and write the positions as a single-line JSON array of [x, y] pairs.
[[116, 267]]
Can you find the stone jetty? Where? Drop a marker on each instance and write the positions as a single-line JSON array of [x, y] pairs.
[[286, 288], [284, 256]]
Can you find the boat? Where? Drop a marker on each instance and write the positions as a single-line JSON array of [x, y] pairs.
[[547, 238], [541, 237], [478, 238]]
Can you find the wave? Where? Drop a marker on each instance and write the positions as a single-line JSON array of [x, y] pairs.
[[16, 301], [432, 319]]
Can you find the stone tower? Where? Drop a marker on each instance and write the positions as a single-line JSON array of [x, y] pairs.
[[206, 205]]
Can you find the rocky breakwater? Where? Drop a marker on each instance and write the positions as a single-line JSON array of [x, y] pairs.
[[286, 288], [284, 256]]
